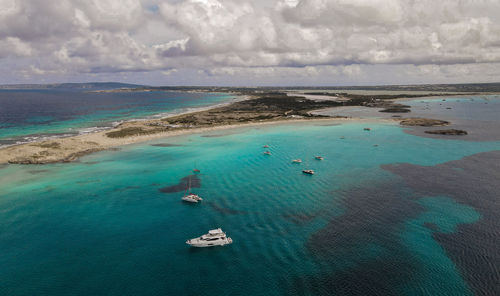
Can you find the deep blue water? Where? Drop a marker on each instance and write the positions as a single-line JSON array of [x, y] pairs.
[[411, 216], [27, 115]]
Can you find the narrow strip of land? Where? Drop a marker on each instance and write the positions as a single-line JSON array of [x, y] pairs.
[[262, 108]]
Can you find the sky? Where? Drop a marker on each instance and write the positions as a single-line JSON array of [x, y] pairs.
[[250, 42]]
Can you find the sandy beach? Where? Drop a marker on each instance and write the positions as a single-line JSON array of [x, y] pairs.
[[71, 148], [247, 111]]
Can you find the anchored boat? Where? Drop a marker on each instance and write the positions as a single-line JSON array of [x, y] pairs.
[[214, 237], [190, 197]]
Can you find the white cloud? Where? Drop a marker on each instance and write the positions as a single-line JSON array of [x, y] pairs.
[[259, 36], [14, 47]]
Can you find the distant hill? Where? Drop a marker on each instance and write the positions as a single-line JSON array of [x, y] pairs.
[[86, 85], [94, 86], [463, 87], [447, 88]]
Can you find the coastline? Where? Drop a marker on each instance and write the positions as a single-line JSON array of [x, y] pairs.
[[246, 110], [71, 148], [110, 125]]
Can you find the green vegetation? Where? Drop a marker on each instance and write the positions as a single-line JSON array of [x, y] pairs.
[[133, 131], [447, 132], [423, 122], [53, 145], [265, 108]]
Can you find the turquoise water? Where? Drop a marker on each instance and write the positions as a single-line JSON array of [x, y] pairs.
[[437, 272], [101, 226], [28, 115]]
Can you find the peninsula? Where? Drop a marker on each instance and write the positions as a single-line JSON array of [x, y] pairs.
[[258, 108]]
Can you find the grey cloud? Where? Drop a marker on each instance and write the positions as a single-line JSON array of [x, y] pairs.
[[98, 36]]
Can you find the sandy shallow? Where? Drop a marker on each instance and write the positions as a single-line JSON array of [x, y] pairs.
[[71, 148]]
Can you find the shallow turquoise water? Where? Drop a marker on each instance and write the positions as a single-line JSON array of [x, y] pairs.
[[102, 227], [437, 272], [27, 115]]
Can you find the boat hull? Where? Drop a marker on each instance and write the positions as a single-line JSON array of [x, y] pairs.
[[192, 198], [201, 244]]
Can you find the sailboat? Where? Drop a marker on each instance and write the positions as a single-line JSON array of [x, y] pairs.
[[190, 197]]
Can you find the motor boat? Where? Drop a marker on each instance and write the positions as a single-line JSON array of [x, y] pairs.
[[297, 161], [214, 237], [319, 157], [267, 153], [308, 172]]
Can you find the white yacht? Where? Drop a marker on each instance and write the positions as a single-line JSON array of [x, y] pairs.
[[191, 197], [297, 160], [308, 172], [214, 237]]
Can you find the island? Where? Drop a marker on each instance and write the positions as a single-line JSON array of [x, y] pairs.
[[448, 132], [423, 122], [258, 107]]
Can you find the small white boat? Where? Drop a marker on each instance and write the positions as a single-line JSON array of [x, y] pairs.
[[297, 160], [308, 172], [267, 153], [319, 157], [191, 197], [214, 237]]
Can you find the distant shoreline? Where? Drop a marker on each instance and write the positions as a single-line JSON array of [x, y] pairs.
[[252, 110], [71, 148], [78, 131]]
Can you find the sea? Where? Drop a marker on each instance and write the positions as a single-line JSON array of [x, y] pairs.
[[390, 211], [28, 115]]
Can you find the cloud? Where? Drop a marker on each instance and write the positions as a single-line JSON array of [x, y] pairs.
[[14, 47], [113, 36], [336, 32]]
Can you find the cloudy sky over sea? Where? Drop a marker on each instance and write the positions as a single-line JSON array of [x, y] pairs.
[[250, 42]]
